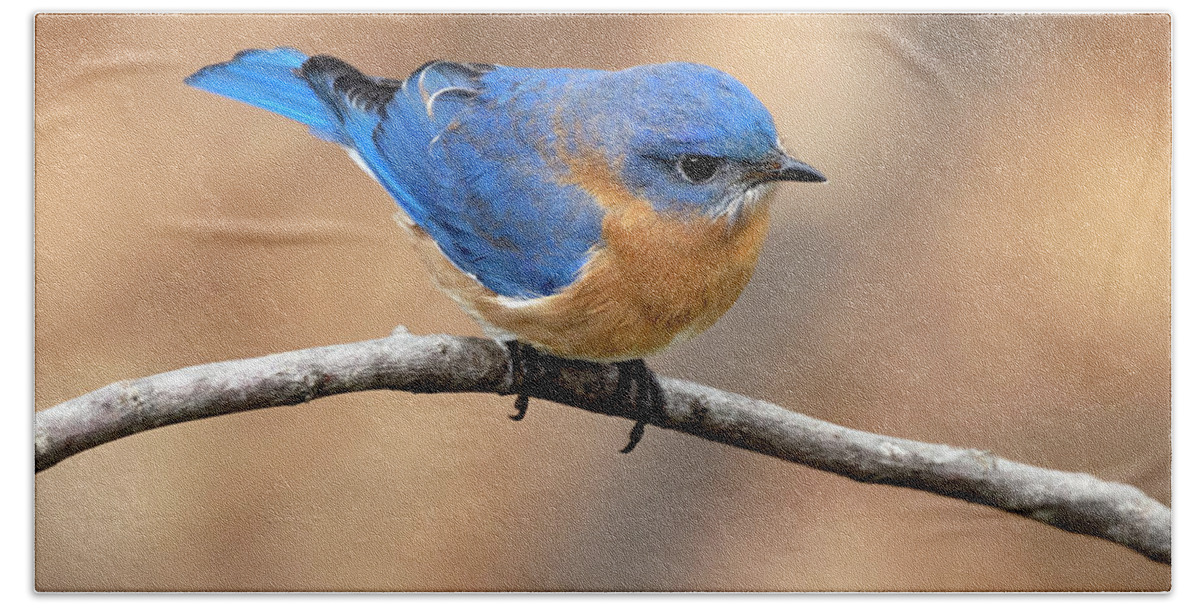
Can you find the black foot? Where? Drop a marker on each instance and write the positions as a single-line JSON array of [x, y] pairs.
[[647, 397], [516, 358]]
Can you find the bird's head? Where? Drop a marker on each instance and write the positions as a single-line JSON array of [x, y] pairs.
[[688, 138]]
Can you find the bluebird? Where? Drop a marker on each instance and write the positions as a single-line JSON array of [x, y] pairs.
[[587, 214]]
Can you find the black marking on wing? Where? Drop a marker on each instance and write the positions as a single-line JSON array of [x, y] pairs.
[[363, 92]]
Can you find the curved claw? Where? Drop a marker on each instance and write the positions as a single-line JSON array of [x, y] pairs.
[[516, 359], [635, 435], [647, 396], [522, 405]]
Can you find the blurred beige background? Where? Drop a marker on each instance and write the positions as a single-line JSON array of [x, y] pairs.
[[988, 266]]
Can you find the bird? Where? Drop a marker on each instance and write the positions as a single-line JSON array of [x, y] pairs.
[[586, 214]]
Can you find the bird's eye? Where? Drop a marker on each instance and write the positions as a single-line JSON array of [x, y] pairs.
[[698, 168]]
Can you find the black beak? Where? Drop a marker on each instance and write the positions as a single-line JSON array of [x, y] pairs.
[[786, 168]]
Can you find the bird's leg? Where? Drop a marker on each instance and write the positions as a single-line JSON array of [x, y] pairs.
[[647, 396], [516, 358], [637, 393]]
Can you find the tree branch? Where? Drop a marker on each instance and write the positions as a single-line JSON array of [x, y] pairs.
[[1075, 502]]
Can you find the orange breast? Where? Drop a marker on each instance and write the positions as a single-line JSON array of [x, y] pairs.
[[655, 279], [653, 283]]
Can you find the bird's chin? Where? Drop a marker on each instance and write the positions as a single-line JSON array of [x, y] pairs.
[[741, 206]]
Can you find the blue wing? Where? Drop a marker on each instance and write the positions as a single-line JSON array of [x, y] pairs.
[[453, 145]]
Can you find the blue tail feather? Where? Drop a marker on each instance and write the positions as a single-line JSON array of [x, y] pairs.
[[268, 79]]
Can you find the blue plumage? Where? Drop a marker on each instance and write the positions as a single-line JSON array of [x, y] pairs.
[[506, 223], [267, 79], [479, 156], [590, 214]]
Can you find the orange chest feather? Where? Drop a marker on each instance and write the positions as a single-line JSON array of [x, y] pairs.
[[655, 280], [677, 272]]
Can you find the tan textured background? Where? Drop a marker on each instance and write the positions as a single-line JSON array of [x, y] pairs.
[[989, 266]]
